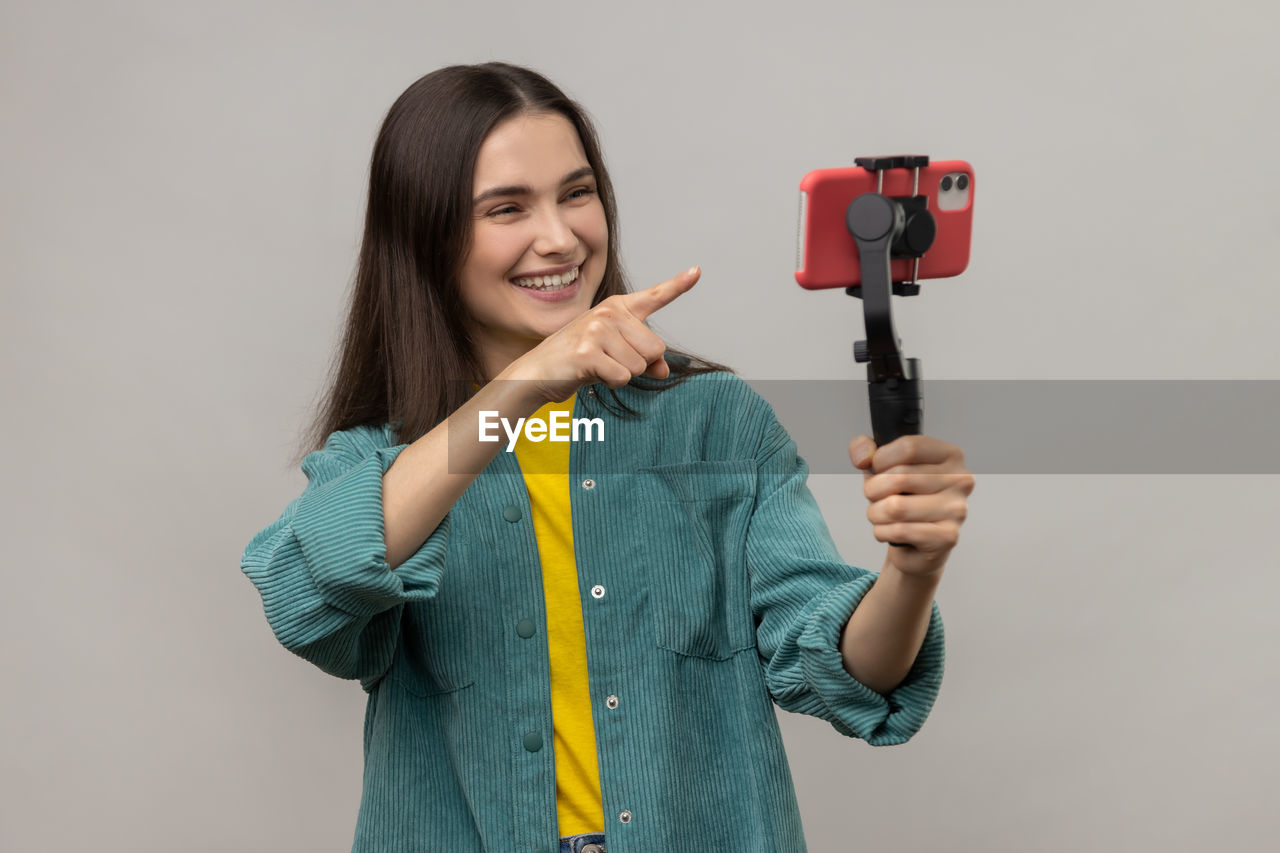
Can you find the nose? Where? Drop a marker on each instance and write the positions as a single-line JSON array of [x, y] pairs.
[[554, 235]]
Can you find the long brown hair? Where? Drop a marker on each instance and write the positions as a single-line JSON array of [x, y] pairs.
[[406, 358]]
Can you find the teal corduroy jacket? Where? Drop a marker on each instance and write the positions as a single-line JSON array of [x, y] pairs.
[[711, 590]]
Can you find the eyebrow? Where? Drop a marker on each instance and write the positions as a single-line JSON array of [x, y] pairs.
[[524, 190]]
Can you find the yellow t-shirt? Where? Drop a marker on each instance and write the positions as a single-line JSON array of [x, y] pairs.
[[545, 466]]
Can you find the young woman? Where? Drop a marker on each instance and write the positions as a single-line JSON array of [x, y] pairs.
[[577, 644]]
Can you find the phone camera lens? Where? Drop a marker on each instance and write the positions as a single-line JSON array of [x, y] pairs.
[[962, 182], [946, 184]]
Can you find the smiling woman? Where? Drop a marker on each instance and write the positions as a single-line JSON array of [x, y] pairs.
[[455, 187], [577, 644], [540, 240]]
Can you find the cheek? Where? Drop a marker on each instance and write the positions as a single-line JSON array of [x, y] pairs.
[[593, 230], [496, 251]]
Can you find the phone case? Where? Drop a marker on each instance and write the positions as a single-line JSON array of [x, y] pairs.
[[826, 254]]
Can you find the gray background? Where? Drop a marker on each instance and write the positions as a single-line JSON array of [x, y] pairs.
[[183, 189]]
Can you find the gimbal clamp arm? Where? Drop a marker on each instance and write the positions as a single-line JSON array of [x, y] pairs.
[[882, 228]]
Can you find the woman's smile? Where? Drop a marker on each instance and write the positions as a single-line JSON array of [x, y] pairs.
[[551, 288]]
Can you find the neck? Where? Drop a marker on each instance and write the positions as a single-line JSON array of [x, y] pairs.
[[497, 356]]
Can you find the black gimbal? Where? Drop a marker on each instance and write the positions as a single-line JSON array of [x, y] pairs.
[[886, 227]]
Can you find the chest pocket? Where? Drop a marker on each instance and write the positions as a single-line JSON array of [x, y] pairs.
[[439, 638], [430, 661], [696, 556]]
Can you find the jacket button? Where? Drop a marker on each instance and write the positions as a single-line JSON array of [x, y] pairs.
[[525, 628], [511, 513], [588, 484], [611, 702], [597, 591], [533, 741], [624, 816]]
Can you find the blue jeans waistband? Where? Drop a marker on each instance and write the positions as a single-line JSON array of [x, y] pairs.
[[591, 842]]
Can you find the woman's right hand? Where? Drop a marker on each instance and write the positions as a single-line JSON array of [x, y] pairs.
[[609, 343]]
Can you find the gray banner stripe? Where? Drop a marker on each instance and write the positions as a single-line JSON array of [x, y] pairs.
[[1055, 426]]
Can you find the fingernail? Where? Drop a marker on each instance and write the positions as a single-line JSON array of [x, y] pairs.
[[861, 452], [691, 271]]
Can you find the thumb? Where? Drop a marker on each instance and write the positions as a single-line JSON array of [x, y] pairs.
[[861, 449]]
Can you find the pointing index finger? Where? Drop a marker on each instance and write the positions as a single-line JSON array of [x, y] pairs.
[[642, 303]]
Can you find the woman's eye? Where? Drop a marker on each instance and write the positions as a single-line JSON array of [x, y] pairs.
[[507, 209]]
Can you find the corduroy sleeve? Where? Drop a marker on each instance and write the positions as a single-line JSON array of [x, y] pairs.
[[803, 593], [328, 592]]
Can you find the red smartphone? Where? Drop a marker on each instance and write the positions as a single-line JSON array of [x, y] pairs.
[[826, 254]]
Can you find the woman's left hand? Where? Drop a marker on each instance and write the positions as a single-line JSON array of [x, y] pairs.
[[918, 488]]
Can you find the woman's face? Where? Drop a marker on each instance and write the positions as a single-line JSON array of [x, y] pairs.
[[535, 214]]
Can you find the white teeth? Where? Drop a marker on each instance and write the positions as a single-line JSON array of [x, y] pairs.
[[548, 282]]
